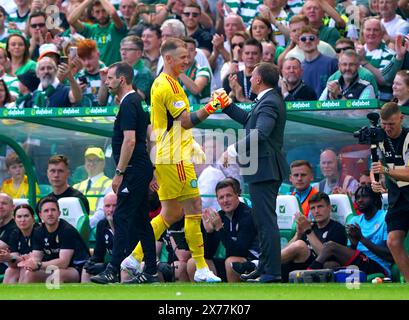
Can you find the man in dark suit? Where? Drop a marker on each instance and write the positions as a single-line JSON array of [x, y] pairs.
[[262, 164]]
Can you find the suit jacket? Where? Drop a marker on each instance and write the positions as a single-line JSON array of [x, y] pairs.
[[267, 119]]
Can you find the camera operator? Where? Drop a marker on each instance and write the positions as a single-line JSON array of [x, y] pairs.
[[396, 170]]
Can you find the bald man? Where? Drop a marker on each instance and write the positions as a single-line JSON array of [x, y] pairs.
[[7, 226], [334, 181], [104, 239]]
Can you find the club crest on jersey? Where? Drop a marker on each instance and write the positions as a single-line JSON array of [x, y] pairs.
[[179, 104], [193, 183]]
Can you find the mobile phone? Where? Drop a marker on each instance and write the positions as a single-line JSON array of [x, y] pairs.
[[64, 59], [83, 79], [72, 52]]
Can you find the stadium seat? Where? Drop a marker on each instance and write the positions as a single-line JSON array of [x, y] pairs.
[[285, 188], [342, 209], [73, 211], [287, 206], [19, 201], [246, 200], [45, 189], [384, 201]]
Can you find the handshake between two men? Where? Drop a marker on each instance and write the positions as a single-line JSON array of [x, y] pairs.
[[219, 100]]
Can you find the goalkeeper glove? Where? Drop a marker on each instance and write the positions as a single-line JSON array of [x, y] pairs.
[[220, 100]]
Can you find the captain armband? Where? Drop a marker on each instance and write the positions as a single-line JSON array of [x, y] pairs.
[[194, 118]]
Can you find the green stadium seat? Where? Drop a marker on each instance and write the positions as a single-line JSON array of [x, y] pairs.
[[73, 211], [246, 200], [45, 189], [92, 238], [286, 208], [285, 188], [342, 208], [220, 252]]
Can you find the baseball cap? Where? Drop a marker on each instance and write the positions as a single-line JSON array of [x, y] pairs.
[[95, 151], [47, 48]]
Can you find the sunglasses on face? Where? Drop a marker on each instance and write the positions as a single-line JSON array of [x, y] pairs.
[[309, 38], [37, 25], [339, 50], [234, 45], [193, 14]]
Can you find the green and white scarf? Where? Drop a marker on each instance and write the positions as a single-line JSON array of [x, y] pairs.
[[42, 97]]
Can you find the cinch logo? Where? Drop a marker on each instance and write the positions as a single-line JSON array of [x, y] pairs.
[[65, 212], [193, 183], [334, 208], [281, 209]]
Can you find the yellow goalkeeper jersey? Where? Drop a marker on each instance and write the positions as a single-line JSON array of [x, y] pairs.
[[168, 101]]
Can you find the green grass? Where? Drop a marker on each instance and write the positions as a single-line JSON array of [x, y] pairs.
[[194, 291]]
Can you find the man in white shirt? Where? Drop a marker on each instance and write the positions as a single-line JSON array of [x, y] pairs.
[[393, 23]]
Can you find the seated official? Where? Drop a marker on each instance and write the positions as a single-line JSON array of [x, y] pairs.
[[310, 237], [57, 246], [21, 243], [104, 240], [232, 226], [367, 236]]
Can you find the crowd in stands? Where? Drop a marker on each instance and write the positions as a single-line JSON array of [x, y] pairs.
[[325, 49], [55, 53]]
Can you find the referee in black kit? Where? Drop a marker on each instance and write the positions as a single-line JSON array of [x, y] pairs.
[[133, 174]]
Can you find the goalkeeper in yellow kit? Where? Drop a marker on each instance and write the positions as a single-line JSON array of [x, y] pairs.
[[176, 181]]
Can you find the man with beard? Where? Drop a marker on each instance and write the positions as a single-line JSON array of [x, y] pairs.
[[349, 85], [292, 86], [51, 93], [107, 34]]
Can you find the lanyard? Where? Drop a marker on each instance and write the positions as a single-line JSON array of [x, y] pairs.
[[247, 94]]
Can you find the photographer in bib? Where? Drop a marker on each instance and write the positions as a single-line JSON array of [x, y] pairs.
[[394, 166]]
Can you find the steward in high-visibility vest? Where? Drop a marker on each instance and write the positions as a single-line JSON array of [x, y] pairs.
[[97, 183], [97, 188]]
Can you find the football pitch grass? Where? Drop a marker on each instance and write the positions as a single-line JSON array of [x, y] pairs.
[[195, 291]]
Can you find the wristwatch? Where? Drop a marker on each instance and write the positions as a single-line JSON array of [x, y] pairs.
[[386, 170], [119, 172]]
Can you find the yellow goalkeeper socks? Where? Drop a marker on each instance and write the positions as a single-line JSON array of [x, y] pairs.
[[159, 225], [194, 239]]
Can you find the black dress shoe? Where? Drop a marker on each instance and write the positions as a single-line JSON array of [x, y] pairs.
[[266, 278], [252, 275]]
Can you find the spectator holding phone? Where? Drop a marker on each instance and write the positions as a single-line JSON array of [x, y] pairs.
[[51, 93], [89, 79]]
